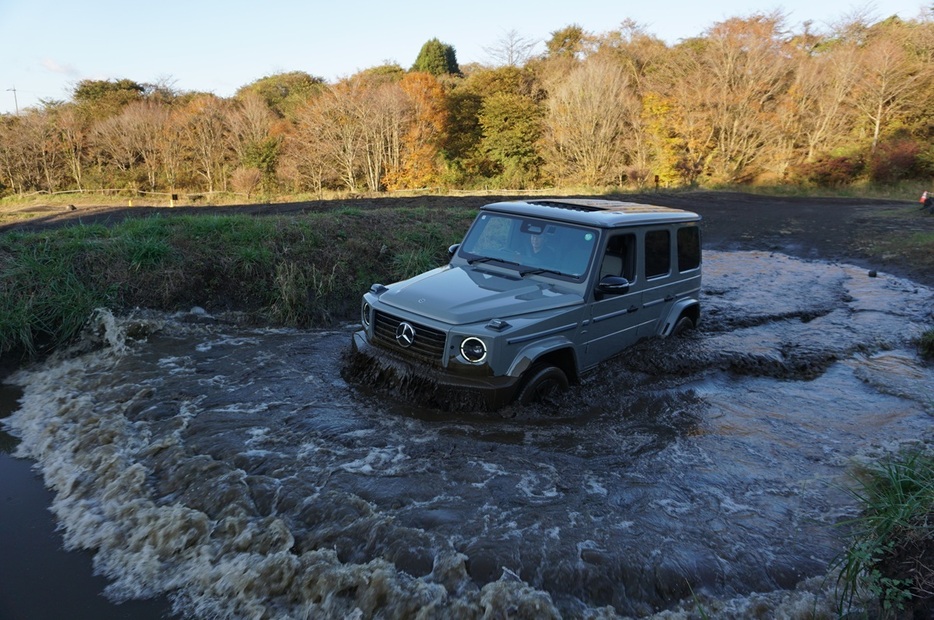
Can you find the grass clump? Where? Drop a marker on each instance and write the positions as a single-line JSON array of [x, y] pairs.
[[298, 271], [891, 558], [48, 289], [926, 344]]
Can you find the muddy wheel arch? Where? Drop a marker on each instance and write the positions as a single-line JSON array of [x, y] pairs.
[[675, 322], [543, 380], [556, 351]]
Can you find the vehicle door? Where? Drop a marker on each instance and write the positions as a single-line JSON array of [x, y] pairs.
[[660, 284], [615, 319]]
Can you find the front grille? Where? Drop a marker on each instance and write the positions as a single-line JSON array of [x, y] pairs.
[[428, 346]]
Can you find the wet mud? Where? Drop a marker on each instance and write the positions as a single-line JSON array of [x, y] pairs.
[[235, 469]]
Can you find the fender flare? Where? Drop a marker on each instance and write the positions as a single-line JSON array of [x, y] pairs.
[[677, 309], [527, 356]]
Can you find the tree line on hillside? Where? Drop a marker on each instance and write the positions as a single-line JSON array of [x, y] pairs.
[[748, 101]]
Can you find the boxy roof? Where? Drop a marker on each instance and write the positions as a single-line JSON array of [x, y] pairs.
[[594, 212]]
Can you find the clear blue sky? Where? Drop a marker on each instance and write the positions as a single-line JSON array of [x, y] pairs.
[[48, 46]]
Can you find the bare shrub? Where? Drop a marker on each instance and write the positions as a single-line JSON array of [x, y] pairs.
[[246, 180]]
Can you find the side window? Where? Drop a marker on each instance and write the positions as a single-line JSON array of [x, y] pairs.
[[620, 257], [689, 252], [657, 253]]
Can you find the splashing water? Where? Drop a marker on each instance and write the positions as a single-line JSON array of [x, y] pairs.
[[235, 470]]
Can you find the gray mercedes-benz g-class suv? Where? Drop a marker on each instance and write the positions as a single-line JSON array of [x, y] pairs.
[[538, 292]]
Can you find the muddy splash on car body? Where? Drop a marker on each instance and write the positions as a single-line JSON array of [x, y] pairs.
[[235, 470]]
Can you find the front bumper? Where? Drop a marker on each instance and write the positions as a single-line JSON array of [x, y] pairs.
[[383, 370]]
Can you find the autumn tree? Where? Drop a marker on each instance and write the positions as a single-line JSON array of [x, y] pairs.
[[384, 112], [637, 51], [359, 127], [27, 154], [724, 90], [670, 159], [207, 135], [418, 164], [116, 144], [332, 119], [74, 132], [889, 81], [586, 123], [146, 121], [746, 101], [307, 160], [172, 149], [817, 113], [10, 160], [638, 55], [251, 138], [246, 180]]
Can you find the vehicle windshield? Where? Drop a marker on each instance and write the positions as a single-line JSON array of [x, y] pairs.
[[532, 246]]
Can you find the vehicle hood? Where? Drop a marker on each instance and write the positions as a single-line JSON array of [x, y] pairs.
[[462, 295]]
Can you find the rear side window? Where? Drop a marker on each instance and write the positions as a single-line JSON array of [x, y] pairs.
[[657, 253], [689, 252]]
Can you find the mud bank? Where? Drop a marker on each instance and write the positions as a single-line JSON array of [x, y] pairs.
[[235, 471]]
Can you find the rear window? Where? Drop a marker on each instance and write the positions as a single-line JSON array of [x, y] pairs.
[[657, 253], [689, 250]]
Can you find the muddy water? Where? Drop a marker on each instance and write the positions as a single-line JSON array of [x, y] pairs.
[[235, 470]]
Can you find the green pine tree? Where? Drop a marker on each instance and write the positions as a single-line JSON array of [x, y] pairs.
[[436, 58]]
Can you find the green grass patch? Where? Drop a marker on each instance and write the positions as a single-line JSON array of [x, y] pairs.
[[915, 249], [891, 557], [413, 261], [298, 270], [904, 190], [926, 344], [46, 300]]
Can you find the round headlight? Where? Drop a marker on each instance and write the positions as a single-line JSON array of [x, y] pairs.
[[473, 350], [365, 314]]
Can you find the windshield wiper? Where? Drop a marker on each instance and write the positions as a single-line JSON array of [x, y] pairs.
[[486, 259], [538, 270]]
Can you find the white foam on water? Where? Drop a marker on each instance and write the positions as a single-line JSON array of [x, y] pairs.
[[595, 487], [203, 347], [378, 462], [538, 487], [223, 561], [234, 567]]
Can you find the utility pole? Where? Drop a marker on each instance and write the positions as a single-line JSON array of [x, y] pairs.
[[15, 101]]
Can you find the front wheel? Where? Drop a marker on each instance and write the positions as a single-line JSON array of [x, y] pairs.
[[684, 324], [544, 382]]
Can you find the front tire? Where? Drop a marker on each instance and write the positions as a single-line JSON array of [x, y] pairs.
[[544, 382], [684, 324]]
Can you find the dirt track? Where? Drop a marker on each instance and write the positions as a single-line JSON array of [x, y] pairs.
[[845, 229]]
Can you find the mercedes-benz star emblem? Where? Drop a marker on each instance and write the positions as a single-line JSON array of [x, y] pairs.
[[405, 334]]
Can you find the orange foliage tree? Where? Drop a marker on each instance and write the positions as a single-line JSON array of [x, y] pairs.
[[419, 163]]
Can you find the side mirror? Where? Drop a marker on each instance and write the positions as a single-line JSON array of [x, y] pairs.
[[453, 250], [613, 285]]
